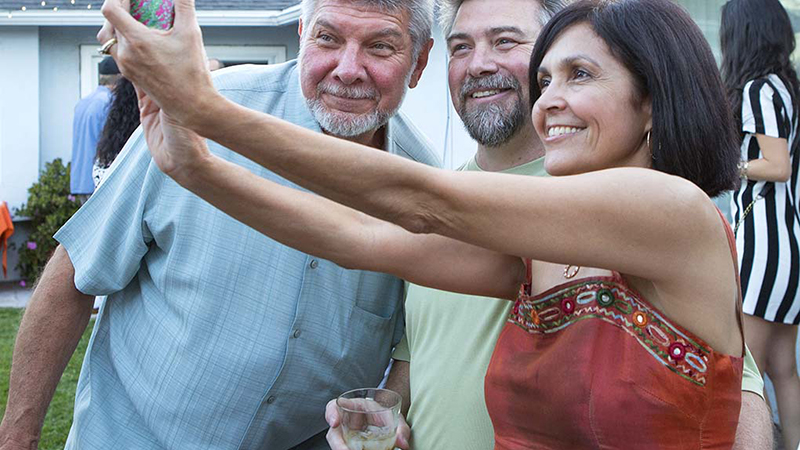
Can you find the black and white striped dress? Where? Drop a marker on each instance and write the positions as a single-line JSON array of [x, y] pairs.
[[768, 240]]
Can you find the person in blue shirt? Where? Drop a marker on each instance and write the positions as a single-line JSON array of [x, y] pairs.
[[90, 116]]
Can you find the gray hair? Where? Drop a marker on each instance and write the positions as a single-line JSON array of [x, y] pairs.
[[447, 10], [420, 13]]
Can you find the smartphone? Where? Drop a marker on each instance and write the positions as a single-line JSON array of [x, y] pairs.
[[157, 14]]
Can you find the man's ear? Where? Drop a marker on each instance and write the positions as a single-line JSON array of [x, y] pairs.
[[422, 62], [300, 27]]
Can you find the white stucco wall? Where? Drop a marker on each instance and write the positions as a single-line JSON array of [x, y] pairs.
[[59, 86], [19, 112]]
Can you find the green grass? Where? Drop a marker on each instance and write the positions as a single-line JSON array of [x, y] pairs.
[[59, 416]]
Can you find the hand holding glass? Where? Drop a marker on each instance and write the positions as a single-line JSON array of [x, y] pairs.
[[369, 418]]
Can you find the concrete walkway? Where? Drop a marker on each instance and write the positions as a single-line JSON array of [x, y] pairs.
[[12, 295]]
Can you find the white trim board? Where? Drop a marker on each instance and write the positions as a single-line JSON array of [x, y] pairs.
[[93, 17]]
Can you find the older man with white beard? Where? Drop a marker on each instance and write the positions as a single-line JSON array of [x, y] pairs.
[[213, 335], [440, 364]]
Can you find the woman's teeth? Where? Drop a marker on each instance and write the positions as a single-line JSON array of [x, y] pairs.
[[559, 131]]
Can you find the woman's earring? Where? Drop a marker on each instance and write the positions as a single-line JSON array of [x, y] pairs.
[[648, 140]]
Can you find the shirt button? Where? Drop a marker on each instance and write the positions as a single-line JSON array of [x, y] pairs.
[[271, 399], [296, 333], [314, 264]]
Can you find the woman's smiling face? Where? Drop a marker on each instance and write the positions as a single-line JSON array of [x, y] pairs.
[[589, 115]]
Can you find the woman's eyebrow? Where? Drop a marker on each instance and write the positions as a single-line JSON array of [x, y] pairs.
[[570, 60]]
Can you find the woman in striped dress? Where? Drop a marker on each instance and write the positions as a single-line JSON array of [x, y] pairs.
[[757, 42]]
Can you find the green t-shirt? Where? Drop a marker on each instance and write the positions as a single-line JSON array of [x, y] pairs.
[[452, 338]]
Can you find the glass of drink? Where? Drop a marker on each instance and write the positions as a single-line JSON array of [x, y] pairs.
[[369, 418]]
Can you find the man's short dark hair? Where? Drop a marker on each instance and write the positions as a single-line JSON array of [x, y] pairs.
[[108, 66], [693, 135]]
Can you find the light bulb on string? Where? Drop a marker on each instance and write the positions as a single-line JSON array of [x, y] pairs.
[[24, 8], [55, 9], [89, 6], [10, 15], [44, 3]]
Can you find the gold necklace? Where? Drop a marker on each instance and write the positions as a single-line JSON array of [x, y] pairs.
[[570, 274]]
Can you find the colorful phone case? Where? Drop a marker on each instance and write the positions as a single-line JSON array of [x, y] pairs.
[[157, 14]]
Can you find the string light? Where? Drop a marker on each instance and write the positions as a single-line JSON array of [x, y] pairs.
[[43, 3]]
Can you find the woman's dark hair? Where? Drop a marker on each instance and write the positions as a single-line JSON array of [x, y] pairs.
[[123, 118], [757, 40], [671, 63]]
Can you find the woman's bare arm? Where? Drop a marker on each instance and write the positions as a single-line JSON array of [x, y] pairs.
[[774, 164], [637, 221]]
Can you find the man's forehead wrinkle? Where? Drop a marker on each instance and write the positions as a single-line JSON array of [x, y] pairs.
[[363, 12], [385, 33]]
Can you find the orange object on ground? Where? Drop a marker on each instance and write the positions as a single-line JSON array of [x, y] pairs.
[[6, 230]]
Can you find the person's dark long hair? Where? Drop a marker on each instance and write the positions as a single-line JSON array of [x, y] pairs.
[[123, 118], [757, 39]]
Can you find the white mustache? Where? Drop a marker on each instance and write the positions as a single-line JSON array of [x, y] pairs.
[[355, 93]]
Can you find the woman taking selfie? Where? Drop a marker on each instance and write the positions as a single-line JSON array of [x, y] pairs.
[[626, 331]]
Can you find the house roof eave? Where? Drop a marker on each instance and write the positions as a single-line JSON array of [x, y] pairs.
[[206, 18]]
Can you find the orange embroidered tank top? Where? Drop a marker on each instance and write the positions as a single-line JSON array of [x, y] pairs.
[[591, 365]]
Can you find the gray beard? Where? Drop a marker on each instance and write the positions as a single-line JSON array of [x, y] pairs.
[[345, 124], [491, 125]]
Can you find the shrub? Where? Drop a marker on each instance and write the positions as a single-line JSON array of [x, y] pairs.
[[49, 206]]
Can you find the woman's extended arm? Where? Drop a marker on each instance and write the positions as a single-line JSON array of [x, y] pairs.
[[636, 221], [318, 226]]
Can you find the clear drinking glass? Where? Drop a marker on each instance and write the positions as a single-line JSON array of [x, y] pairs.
[[369, 418]]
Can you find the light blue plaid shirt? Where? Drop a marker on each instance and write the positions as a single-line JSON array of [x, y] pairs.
[[213, 335]]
